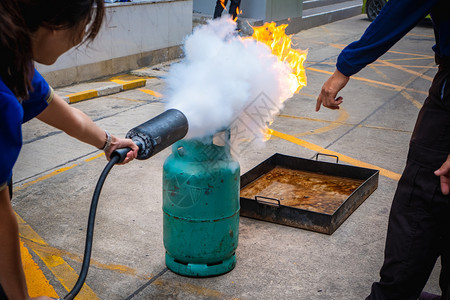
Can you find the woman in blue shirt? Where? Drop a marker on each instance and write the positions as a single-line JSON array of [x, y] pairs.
[[38, 30], [419, 221]]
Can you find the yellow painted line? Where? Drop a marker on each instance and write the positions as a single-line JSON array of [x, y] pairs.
[[412, 54], [341, 123], [342, 46], [37, 283], [399, 67], [150, 92], [411, 59], [380, 73], [56, 172], [62, 271], [75, 257], [411, 99], [81, 96], [412, 66], [347, 159], [101, 154], [376, 64], [343, 116], [393, 86], [131, 84], [421, 35], [338, 46]]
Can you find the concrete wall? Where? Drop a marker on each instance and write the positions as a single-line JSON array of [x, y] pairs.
[[135, 34], [266, 10]]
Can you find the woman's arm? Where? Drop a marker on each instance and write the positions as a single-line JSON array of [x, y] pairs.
[[77, 124]]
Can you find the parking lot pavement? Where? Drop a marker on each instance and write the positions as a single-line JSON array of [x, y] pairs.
[[56, 175]]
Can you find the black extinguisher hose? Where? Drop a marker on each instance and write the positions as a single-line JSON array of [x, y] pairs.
[[116, 157]]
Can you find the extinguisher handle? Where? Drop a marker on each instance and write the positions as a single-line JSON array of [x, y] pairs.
[[121, 153]]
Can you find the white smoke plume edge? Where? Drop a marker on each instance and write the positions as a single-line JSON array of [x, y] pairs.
[[226, 81]]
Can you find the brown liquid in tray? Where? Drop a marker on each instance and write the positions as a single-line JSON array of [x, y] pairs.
[[302, 189]]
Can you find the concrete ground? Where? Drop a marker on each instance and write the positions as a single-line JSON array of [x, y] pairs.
[[56, 175]]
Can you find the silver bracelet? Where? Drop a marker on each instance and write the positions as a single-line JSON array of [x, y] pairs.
[[108, 141]]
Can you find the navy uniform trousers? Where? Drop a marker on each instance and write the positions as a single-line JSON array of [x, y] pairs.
[[419, 222]]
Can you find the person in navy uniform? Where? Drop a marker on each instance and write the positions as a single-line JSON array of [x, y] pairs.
[[419, 222]]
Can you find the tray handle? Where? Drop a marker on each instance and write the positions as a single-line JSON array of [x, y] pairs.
[[330, 155], [268, 202]]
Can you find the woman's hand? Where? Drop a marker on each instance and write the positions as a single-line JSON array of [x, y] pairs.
[[117, 143], [330, 89], [444, 173]]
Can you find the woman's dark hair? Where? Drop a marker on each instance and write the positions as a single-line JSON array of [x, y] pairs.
[[19, 19]]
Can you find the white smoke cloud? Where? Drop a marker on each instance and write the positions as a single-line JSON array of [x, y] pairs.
[[226, 81]]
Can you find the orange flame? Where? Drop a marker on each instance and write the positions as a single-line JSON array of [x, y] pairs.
[[280, 43], [276, 39], [237, 14]]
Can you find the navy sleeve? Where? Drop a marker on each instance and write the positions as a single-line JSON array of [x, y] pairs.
[[11, 114], [39, 98], [396, 19]]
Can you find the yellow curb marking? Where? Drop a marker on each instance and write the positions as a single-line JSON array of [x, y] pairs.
[[131, 84], [150, 92], [37, 284], [128, 77], [342, 157], [89, 94], [80, 96]]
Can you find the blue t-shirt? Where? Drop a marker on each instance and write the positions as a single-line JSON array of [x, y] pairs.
[[396, 19], [12, 115]]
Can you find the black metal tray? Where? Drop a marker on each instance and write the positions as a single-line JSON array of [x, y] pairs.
[[278, 210]]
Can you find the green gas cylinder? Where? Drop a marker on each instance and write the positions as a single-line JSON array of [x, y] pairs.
[[201, 183]]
